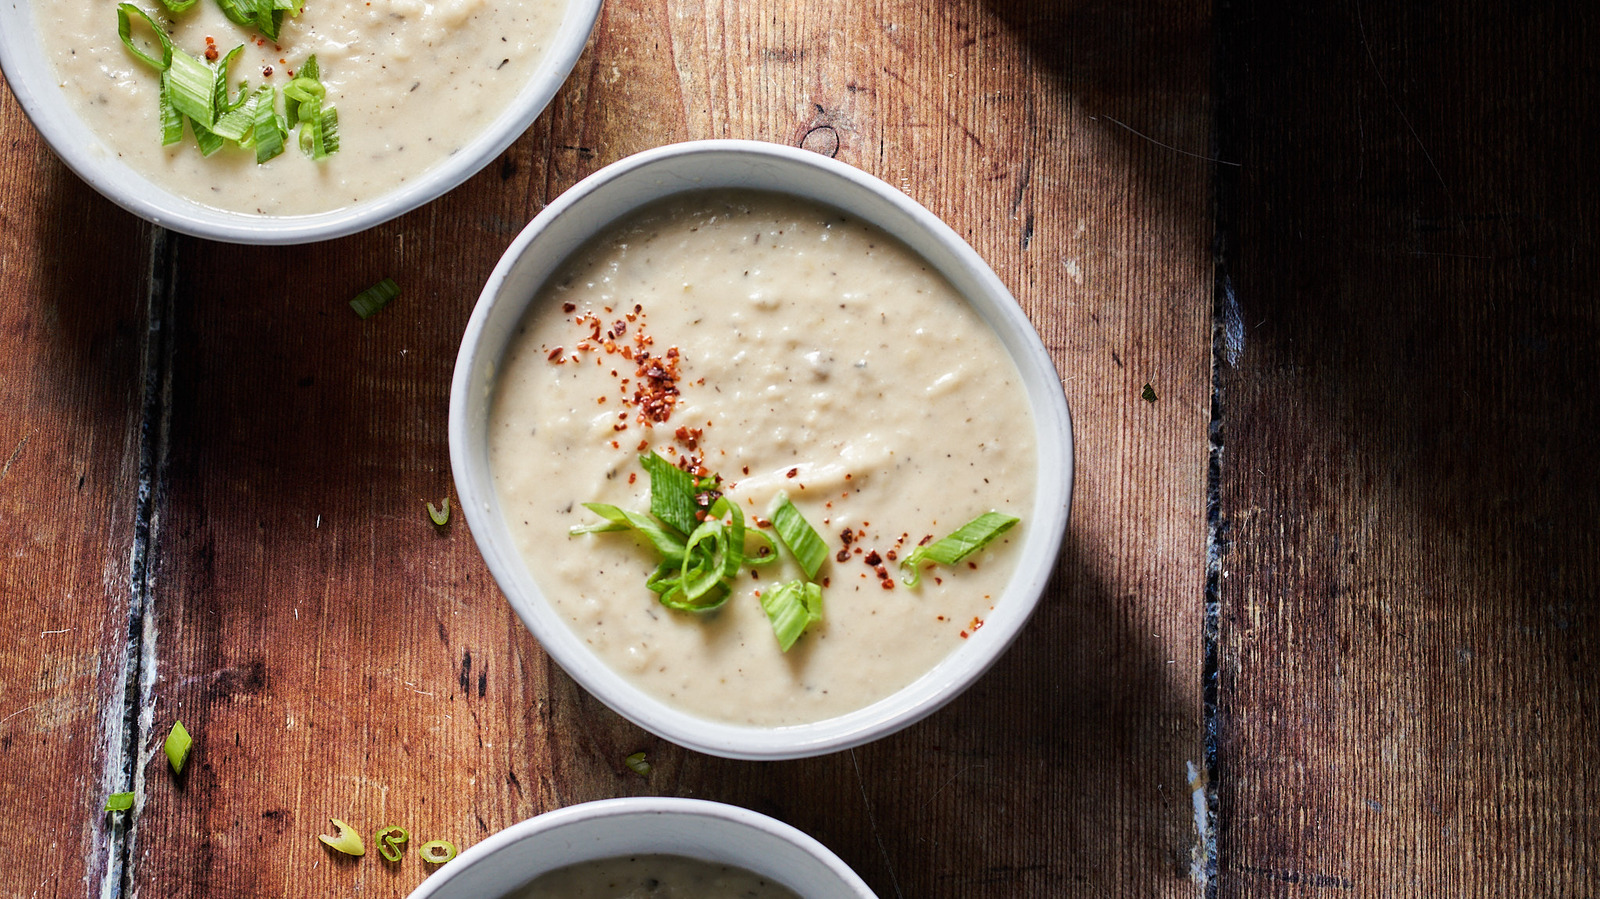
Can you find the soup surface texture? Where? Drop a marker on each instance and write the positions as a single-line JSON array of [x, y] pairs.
[[412, 80], [786, 347], [652, 877]]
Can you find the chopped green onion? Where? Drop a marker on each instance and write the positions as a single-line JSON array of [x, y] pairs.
[[638, 764], [177, 746], [389, 840], [437, 852], [440, 517], [267, 127], [121, 802], [348, 840], [967, 539], [369, 301], [672, 493], [798, 535], [792, 607], [667, 541], [1148, 394], [125, 31], [177, 5], [192, 85]]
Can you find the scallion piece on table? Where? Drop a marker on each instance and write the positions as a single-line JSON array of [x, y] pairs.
[[177, 746], [967, 539], [638, 764], [437, 852], [440, 516], [798, 536], [792, 607], [369, 301], [347, 840], [389, 840], [119, 802]]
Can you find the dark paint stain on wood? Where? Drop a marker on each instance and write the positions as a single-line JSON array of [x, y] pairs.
[[465, 679]]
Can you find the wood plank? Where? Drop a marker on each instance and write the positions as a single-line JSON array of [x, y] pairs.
[[1409, 483], [72, 338], [334, 655]]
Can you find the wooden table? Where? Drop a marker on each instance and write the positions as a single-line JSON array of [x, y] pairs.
[[1326, 622]]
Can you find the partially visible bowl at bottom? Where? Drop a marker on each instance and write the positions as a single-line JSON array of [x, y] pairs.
[[609, 828]]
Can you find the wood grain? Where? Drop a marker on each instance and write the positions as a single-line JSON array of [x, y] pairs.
[[1408, 700], [336, 655], [72, 342]]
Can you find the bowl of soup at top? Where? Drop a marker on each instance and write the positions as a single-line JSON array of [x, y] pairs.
[[762, 453], [424, 95], [653, 846]]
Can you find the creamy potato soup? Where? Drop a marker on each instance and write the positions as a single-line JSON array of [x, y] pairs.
[[652, 877], [412, 81], [785, 347]]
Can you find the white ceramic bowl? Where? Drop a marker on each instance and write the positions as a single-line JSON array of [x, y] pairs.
[[624, 186], [709, 831], [32, 78]]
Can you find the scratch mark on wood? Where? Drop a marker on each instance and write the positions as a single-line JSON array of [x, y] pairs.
[[14, 454], [1137, 133], [872, 821], [1361, 26]]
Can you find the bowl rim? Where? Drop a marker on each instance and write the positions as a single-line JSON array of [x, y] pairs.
[[912, 224], [31, 75], [604, 811]]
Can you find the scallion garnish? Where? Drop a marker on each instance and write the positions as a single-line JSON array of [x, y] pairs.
[[792, 607], [798, 536], [437, 852], [177, 746], [672, 493], [441, 516], [389, 840], [197, 91], [119, 802], [699, 534], [369, 301], [967, 539], [347, 841]]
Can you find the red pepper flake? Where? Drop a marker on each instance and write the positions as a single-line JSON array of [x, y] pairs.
[[976, 624], [825, 581], [973, 565], [874, 559], [842, 555], [890, 555], [644, 445], [881, 572], [963, 635], [848, 536], [887, 583], [791, 472], [924, 540], [568, 307], [266, 71], [555, 355]]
